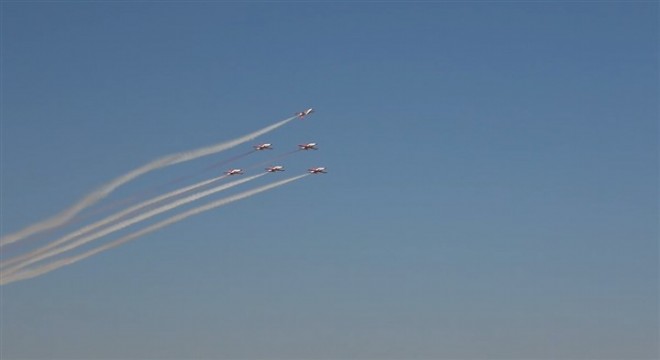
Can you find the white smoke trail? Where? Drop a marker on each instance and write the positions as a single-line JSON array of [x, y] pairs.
[[30, 273], [126, 223], [106, 189], [107, 220]]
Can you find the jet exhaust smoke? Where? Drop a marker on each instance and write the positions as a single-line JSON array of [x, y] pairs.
[[108, 188], [128, 222], [176, 218], [108, 220]]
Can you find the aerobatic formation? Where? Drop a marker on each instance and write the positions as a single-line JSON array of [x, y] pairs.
[[32, 261]]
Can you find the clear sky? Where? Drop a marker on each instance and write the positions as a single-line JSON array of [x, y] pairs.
[[492, 189]]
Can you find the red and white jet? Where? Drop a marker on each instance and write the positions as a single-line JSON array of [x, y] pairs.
[[317, 170], [265, 146], [308, 146], [234, 172], [275, 168], [302, 114]]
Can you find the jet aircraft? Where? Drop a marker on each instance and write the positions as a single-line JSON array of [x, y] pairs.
[[275, 168], [234, 172], [308, 146], [265, 146], [317, 170], [302, 114]]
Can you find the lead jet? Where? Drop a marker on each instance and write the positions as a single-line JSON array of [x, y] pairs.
[[317, 170], [265, 146], [275, 168], [302, 114], [308, 146], [234, 172]]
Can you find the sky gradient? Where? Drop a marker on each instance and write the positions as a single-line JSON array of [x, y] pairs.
[[492, 189]]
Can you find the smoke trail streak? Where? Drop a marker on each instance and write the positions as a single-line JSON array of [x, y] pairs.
[[108, 220], [176, 218], [154, 189], [128, 222], [106, 189]]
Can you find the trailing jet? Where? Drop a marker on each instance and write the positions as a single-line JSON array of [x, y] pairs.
[[265, 146], [308, 146], [302, 114], [317, 170], [275, 168], [234, 172]]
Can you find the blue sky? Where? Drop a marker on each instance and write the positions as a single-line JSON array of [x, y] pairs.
[[492, 187]]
